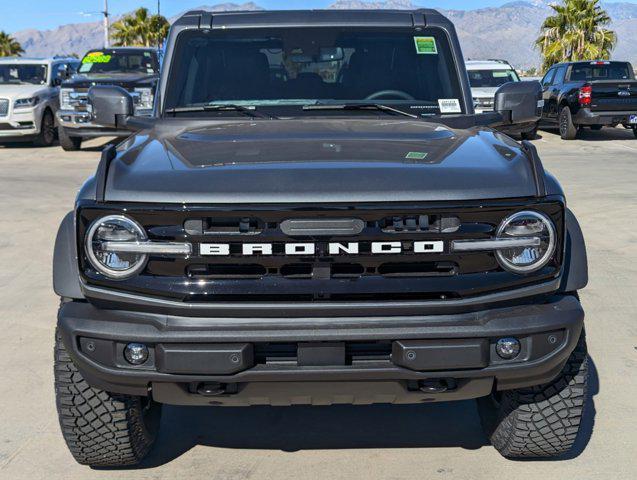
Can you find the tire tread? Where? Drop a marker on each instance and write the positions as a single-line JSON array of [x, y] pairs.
[[100, 428], [543, 421]]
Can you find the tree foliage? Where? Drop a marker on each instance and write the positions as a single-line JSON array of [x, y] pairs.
[[577, 31], [9, 46], [140, 29]]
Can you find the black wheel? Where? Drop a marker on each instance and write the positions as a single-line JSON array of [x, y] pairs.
[[541, 421], [568, 131], [100, 428], [635, 131], [596, 127], [46, 137], [529, 135], [68, 143]]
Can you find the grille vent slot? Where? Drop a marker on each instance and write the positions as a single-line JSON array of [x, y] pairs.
[[420, 269], [419, 223], [223, 226]]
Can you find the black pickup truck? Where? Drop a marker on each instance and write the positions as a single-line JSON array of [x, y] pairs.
[[134, 69], [315, 215], [590, 94]]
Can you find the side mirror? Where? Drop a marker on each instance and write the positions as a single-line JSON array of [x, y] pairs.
[[111, 105], [519, 102]]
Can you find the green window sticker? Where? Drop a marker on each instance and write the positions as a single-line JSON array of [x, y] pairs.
[[426, 46], [96, 57], [416, 155]]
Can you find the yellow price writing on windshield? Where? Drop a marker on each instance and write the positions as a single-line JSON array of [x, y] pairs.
[[96, 57]]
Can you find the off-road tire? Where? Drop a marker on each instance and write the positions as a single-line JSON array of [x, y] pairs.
[[541, 421], [101, 429], [568, 131], [68, 143], [46, 137]]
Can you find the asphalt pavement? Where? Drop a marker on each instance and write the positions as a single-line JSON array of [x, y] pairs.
[[37, 187]]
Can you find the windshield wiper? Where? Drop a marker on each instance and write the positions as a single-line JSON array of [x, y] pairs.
[[358, 106], [225, 107]]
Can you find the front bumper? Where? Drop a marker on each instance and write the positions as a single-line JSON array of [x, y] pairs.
[[80, 124], [428, 357], [19, 124], [584, 116]]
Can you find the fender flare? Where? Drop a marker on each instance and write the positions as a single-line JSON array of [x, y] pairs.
[[66, 276], [575, 260]]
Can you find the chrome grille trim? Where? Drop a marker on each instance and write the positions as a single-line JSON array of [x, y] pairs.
[[4, 107]]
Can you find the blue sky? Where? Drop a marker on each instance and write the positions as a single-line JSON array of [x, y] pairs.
[[45, 14]]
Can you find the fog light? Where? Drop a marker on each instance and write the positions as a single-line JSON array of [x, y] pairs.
[[508, 348], [136, 353]]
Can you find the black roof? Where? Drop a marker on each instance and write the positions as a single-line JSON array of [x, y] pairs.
[[306, 18]]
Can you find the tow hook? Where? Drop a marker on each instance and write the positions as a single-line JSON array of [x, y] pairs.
[[211, 389], [433, 386]]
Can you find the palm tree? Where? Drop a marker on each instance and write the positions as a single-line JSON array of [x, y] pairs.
[[576, 32], [140, 29], [9, 46]]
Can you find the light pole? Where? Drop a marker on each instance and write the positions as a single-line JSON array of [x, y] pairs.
[[106, 26]]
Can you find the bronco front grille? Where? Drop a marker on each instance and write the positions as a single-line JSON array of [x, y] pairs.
[[4, 107], [404, 274]]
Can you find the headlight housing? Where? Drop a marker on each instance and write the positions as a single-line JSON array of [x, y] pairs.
[[26, 102], [531, 225], [65, 99], [112, 229], [145, 98]]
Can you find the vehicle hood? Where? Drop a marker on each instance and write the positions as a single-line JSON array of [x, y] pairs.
[[316, 161], [483, 92], [122, 80], [13, 92]]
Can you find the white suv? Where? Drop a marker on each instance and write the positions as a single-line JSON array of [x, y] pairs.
[[29, 98], [485, 77]]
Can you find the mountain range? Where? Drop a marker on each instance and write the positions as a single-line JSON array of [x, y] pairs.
[[506, 32]]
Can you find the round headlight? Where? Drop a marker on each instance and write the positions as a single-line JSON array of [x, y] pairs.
[[534, 226], [107, 231]]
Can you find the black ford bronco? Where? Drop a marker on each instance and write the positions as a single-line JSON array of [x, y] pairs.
[[315, 215]]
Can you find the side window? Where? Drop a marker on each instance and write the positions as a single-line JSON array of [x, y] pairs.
[[548, 78], [559, 75], [61, 71]]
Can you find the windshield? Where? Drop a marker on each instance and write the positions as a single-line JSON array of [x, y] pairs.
[[23, 73], [601, 71], [304, 66], [118, 61], [492, 78]]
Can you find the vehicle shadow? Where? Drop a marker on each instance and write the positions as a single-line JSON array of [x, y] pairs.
[[604, 135], [290, 429]]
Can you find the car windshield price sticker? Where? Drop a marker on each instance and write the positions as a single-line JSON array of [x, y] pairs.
[[96, 57], [426, 46], [449, 105]]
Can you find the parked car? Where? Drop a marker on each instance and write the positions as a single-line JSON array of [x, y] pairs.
[[485, 77], [135, 69], [29, 98], [345, 232], [589, 94]]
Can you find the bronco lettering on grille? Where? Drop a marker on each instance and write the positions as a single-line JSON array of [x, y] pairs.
[[335, 248]]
